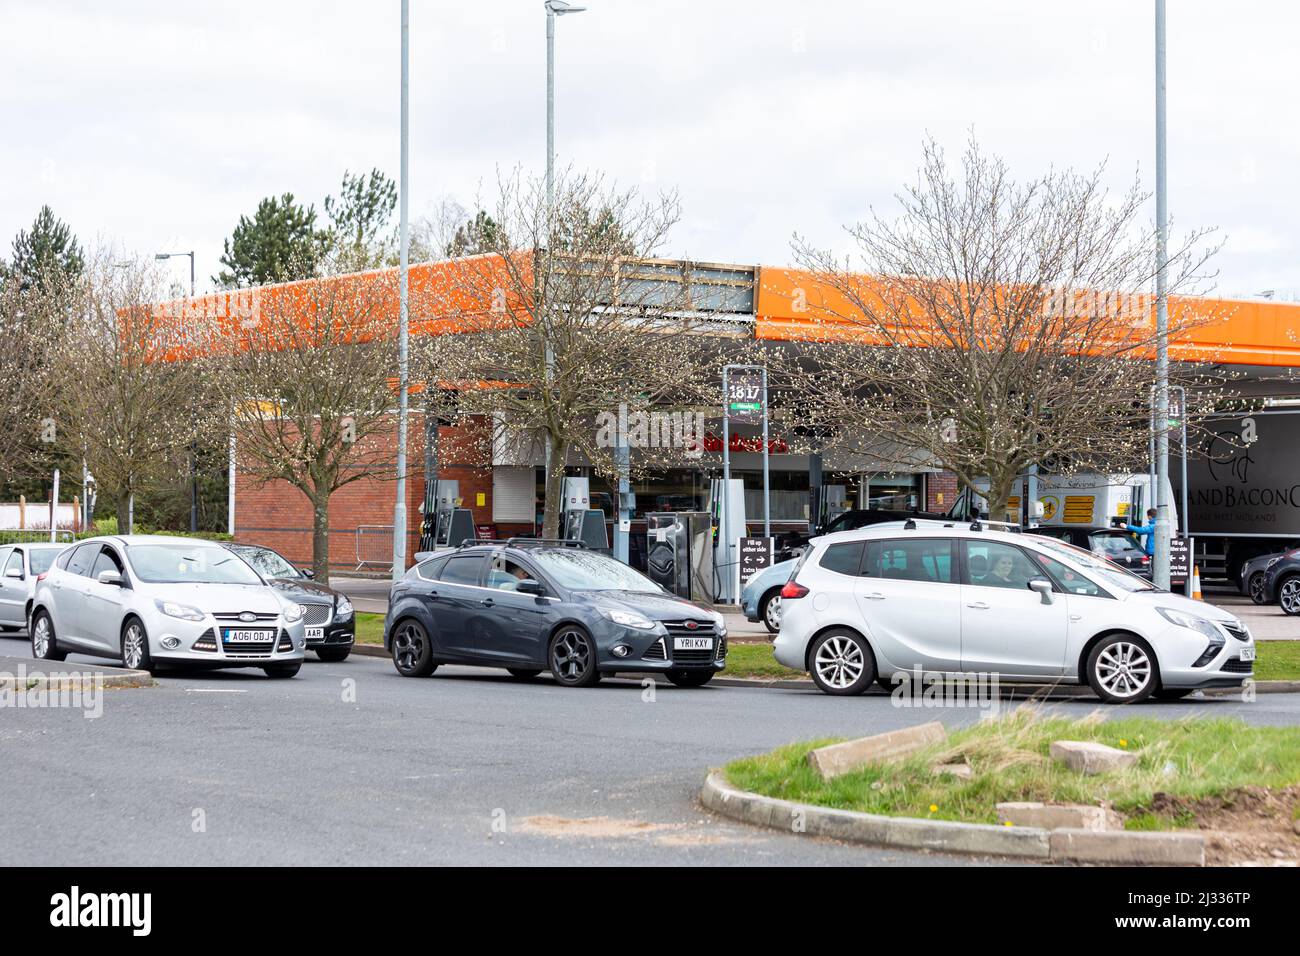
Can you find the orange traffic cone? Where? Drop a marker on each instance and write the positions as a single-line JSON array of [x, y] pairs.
[[1196, 583]]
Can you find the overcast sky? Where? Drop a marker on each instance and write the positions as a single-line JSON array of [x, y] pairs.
[[157, 124]]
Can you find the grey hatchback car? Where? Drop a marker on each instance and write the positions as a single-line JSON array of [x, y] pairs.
[[530, 605]]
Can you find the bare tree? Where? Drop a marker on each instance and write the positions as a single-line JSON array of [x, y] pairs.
[[994, 325], [566, 319], [306, 374], [121, 403], [32, 321]]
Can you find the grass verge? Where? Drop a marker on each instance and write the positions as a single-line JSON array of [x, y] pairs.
[[1277, 660], [755, 660], [1190, 759], [370, 628]]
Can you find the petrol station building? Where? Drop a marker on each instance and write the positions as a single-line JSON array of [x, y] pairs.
[[503, 487]]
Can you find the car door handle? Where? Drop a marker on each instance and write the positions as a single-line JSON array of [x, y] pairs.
[[487, 602], [978, 605], [874, 596], [431, 595]]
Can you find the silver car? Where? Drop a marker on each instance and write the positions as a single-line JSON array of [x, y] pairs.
[[20, 566], [149, 600]]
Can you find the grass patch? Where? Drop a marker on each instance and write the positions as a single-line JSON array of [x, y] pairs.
[[755, 660], [1277, 660], [370, 628], [1190, 758]]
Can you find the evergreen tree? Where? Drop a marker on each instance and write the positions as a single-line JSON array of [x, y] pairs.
[[47, 256], [478, 235], [280, 243], [360, 234]]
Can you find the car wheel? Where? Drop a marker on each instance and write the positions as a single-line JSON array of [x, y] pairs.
[[1256, 587], [44, 645], [281, 671], [135, 647], [1288, 595], [523, 673], [412, 650], [842, 663], [770, 612], [1173, 693], [573, 658], [333, 654], [1122, 670], [690, 678]]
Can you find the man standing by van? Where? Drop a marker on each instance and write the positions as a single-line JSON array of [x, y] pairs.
[[1148, 532]]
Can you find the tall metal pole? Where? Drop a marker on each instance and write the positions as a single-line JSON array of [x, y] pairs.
[[550, 116], [1160, 562], [767, 493], [399, 505]]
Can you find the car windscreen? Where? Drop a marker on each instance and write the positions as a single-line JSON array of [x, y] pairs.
[[1112, 542], [184, 564], [1106, 571], [40, 559], [580, 570], [267, 563]]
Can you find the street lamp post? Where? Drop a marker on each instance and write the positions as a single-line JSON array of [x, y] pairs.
[[403, 323], [194, 471], [1160, 560]]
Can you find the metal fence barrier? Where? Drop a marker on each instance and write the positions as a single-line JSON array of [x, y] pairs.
[[375, 546]]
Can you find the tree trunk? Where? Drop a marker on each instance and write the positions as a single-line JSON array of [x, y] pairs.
[[320, 538], [999, 494], [554, 504], [123, 517]]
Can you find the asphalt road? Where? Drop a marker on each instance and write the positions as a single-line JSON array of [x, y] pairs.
[[351, 764]]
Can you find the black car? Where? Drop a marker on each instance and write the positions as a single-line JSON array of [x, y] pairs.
[[328, 618], [790, 544], [1282, 582], [1115, 544], [530, 605]]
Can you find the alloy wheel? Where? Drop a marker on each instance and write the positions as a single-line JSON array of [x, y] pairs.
[[1123, 669], [570, 656], [408, 646], [1289, 596], [839, 662], [133, 646], [41, 637], [1257, 587], [772, 613]]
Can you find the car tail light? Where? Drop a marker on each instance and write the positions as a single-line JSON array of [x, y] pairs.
[[1146, 559], [41, 577], [792, 590]]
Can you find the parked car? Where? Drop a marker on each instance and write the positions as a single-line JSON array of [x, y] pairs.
[[530, 605], [1253, 575], [790, 544], [866, 605], [1114, 544], [20, 565], [1282, 582], [329, 621], [151, 599], [760, 598]]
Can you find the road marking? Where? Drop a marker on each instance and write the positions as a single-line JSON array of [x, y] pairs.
[[215, 690]]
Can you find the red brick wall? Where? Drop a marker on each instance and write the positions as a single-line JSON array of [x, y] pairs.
[[278, 515], [940, 484]]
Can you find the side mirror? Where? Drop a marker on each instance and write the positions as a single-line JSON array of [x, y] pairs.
[[15, 573], [1044, 589], [307, 572], [110, 577], [529, 586]]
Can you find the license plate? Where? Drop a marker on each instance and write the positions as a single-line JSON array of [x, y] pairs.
[[1248, 653], [248, 637], [315, 633], [692, 643]]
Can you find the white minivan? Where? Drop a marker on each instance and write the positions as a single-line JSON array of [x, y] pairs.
[[863, 606]]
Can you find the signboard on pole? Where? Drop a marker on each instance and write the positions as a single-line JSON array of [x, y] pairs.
[[745, 398], [753, 556], [1180, 560]]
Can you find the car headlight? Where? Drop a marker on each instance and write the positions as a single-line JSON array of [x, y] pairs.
[[1271, 562], [293, 613], [183, 611], [628, 619], [1198, 624], [343, 608]]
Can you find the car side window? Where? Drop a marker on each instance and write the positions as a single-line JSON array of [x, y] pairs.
[[913, 559], [81, 559], [845, 558], [505, 574], [462, 569], [106, 561], [429, 570], [15, 563], [992, 564], [1068, 579]]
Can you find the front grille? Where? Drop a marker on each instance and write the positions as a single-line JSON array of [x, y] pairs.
[[1236, 665], [317, 615], [1240, 633], [236, 616], [655, 652], [701, 629]]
